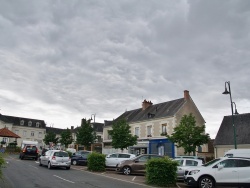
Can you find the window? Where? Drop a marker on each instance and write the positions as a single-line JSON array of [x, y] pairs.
[[37, 124], [24, 133], [137, 131], [32, 133], [124, 156], [113, 156], [17, 132], [191, 163], [243, 163], [228, 163], [149, 130], [30, 123], [164, 129], [22, 122], [40, 134], [109, 137]]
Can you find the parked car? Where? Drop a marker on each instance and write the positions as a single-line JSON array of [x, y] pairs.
[[185, 163], [55, 158], [113, 159], [136, 165], [224, 171], [80, 158], [191, 157], [29, 151]]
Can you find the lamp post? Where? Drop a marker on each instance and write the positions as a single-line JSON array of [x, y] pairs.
[[229, 92]]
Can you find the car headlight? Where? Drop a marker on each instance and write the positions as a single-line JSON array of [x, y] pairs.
[[192, 172]]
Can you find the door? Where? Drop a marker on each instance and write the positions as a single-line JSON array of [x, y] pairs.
[[229, 172], [112, 159], [139, 164], [243, 170]]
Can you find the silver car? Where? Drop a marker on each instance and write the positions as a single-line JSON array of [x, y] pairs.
[[185, 163], [55, 158]]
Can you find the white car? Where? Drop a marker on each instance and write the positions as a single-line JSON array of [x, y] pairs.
[[184, 164], [224, 171], [55, 158], [113, 159]]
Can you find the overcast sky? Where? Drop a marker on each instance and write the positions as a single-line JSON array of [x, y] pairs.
[[61, 61]]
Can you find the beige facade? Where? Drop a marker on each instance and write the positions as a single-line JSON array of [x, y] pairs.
[[219, 151], [152, 128]]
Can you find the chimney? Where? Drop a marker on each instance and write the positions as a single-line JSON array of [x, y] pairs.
[[186, 95], [146, 104]]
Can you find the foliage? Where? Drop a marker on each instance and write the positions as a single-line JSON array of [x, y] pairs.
[[96, 162], [188, 135], [66, 138], [2, 162], [85, 134], [50, 137], [121, 135], [70, 153], [161, 172]]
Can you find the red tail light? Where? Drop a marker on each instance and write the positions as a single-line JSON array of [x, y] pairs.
[[54, 158], [23, 150]]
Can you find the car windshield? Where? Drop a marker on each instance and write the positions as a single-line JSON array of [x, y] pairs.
[[211, 162]]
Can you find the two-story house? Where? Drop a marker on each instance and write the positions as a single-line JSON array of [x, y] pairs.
[[26, 128], [152, 122]]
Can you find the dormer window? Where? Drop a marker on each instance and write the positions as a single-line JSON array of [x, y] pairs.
[[22, 122], [37, 124], [30, 123]]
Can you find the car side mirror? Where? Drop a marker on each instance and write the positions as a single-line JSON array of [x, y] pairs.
[[136, 161], [220, 167]]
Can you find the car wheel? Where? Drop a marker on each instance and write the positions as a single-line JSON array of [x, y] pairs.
[[67, 168], [35, 159], [22, 157], [126, 170], [206, 182], [49, 166], [74, 162]]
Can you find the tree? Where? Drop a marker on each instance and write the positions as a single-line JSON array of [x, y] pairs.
[[66, 138], [121, 135], [188, 135], [50, 137], [85, 134]]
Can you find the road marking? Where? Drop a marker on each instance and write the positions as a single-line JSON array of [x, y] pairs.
[[33, 166], [133, 178], [64, 179]]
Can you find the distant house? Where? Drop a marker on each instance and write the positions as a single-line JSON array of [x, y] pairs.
[[152, 122], [26, 128], [224, 139]]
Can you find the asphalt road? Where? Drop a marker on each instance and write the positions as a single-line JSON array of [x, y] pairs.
[[28, 174]]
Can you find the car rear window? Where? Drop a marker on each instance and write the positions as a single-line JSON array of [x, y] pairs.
[[31, 148], [61, 154]]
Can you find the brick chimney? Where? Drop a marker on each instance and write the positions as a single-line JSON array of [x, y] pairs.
[[146, 104], [186, 95]]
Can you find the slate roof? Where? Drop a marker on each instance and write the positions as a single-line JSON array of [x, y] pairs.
[[4, 132], [98, 127], [225, 135], [16, 121], [165, 109], [54, 130]]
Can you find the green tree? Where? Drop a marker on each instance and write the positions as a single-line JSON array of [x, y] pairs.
[[121, 135], [66, 138], [50, 137], [188, 135], [85, 134]]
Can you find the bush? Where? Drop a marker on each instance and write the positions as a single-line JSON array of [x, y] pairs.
[[2, 162], [161, 172], [70, 153], [96, 162]]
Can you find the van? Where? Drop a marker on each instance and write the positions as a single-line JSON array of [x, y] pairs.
[[237, 153]]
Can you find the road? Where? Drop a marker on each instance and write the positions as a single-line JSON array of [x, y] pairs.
[[28, 174]]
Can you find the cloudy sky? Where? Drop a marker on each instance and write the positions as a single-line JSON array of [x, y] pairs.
[[61, 61]]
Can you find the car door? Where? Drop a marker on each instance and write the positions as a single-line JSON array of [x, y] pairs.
[[228, 173], [112, 159], [45, 158], [139, 164], [243, 171]]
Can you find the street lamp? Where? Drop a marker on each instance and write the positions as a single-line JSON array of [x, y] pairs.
[[229, 92]]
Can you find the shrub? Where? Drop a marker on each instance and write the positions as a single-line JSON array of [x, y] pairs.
[[96, 162], [70, 153], [2, 162], [161, 172]]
